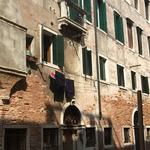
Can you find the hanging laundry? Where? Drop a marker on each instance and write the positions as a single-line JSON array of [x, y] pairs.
[[59, 86], [69, 89]]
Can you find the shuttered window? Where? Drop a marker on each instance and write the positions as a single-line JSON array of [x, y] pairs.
[[87, 8], [139, 37], [108, 136], [52, 48], [129, 30], [147, 9], [119, 34], [101, 15], [58, 51], [145, 85], [87, 61], [120, 74], [102, 68]]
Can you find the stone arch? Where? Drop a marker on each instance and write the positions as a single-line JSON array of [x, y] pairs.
[[74, 112]]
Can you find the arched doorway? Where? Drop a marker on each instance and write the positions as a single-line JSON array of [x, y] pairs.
[[136, 131], [73, 133]]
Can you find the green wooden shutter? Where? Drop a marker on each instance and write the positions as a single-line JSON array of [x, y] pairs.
[[58, 51], [73, 14], [97, 11], [89, 63], [121, 33], [87, 8], [80, 3], [103, 19], [84, 59]]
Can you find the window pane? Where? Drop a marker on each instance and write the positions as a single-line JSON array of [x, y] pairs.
[[120, 74], [130, 37], [90, 137], [126, 135], [102, 68], [50, 139], [87, 62], [118, 27], [87, 7], [145, 85], [133, 78], [139, 37], [107, 136]]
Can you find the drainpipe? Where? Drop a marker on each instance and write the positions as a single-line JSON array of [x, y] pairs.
[[99, 134], [97, 62]]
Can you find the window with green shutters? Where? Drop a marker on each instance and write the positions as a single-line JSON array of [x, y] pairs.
[[145, 85], [58, 51], [101, 14], [87, 8], [102, 68], [119, 34], [52, 48], [87, 61], [120, 75]]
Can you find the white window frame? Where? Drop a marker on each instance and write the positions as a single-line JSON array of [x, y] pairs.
[[106, 69], [124, 136], [108, 146], [50, 127], [44, 28]]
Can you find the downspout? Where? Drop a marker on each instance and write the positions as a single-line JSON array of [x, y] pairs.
[[98, 79], [97, 62]]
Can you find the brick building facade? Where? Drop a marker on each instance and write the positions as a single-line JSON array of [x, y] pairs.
[[69, 72]]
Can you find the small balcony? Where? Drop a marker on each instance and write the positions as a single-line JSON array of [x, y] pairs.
[[72, 18]]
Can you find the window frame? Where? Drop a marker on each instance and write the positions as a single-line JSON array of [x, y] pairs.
[[111, 137], [130, 33], [94, 136], [118, 25], [143, 80], [120, 84], [106, 68], [85, 74], [147, 139], [133, 73], [46, 29], [51, 128], [123, 131], [139, 40], [100, 25]]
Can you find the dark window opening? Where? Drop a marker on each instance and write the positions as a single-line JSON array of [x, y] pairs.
[[127, 135], [147, 9], [148, 134], [90, 137], [149, 44], [130, 36], [87, 61], [120, 74], [108, 136], [145, 85], [136, 4], [139, 37], [29, 40], [15, 139], [50, 139], [102, 68], [133, 79], [119, 34]]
